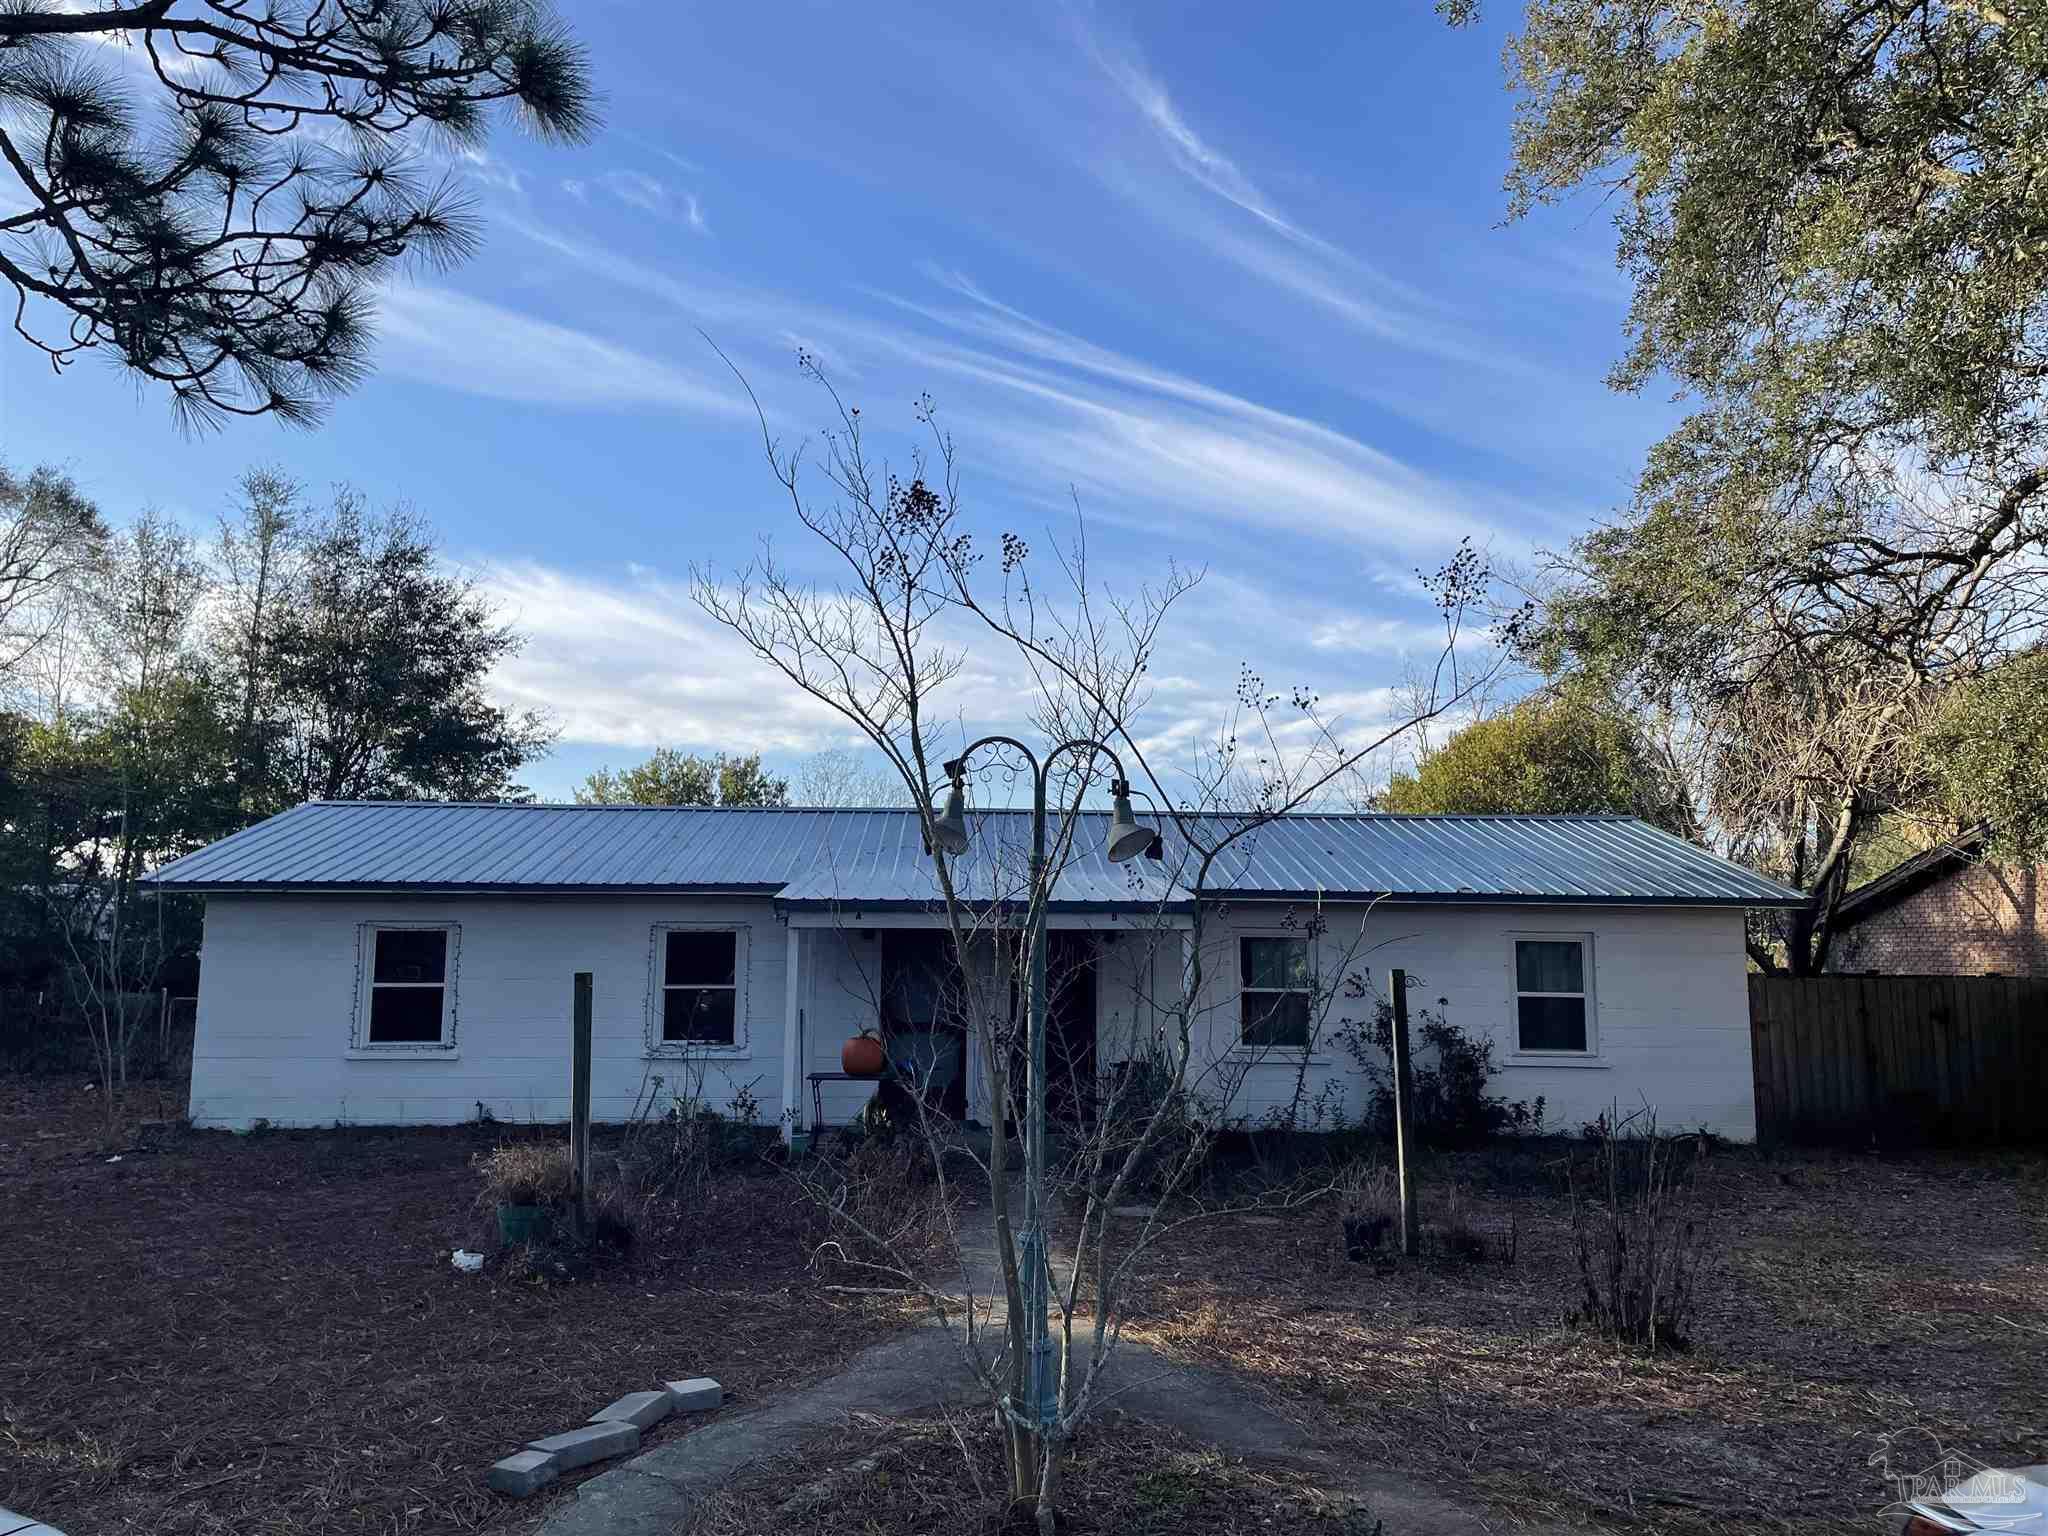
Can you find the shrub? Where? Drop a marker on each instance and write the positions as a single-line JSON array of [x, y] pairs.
[[1137, 1090], [526, 1173], [1369, 1221], [1368, 1209], [675, 1141], [542, 1173], [1458, 1239], [883, 1205], [1638, 1230], [1450, 1074]]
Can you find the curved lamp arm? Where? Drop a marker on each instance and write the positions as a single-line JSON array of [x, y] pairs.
[[1126, 838]]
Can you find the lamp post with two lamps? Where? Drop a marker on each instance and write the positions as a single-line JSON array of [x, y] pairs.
[[1126, 841]]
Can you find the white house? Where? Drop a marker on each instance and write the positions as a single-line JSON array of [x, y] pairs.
[[411, 963]]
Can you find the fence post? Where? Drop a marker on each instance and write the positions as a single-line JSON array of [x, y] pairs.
[[579, 1106], [1404, 1102]]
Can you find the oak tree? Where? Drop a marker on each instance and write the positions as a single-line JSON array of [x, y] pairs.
[[1833, 222]]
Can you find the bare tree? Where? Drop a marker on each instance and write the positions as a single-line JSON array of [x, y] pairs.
[[878, 649], [51, 537], [840, 776], [226, 245], [145, 617], [258, 551]]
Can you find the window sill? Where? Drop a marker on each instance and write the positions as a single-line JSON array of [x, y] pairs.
[[1276, 1056], [1587, 1062], [698, 1053], [402, 1053]]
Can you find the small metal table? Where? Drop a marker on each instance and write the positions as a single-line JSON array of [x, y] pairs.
[[816, 1079]]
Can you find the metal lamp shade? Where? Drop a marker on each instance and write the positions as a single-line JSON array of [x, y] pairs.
[[950, 830], [1126, 838]]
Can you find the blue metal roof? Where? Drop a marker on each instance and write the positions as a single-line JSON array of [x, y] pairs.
[[876, 858]]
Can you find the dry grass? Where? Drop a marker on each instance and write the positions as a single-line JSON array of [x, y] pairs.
[[1846, 1300], [263, 1334], [914, 1477]]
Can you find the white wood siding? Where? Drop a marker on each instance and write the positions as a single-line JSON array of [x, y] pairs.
[[1670, 998], [278, 991]]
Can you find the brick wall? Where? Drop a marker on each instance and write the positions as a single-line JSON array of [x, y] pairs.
[[1977, 919]]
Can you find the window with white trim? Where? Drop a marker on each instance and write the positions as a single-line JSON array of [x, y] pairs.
[[1553, 1004], [1274, 992], [409, 986], [700, 988]]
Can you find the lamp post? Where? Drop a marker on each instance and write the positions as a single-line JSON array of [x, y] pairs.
[[1126, 841]]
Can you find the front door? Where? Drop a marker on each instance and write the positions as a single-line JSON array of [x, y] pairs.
[[1070, 1027], [924, 1018]]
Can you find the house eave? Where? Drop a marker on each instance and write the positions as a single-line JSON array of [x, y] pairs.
[[853, 903], [389, 889]]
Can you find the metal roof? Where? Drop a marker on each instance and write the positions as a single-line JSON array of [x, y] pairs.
[[875, 858]]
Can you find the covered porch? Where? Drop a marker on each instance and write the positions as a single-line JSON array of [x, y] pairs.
[[894, 973]]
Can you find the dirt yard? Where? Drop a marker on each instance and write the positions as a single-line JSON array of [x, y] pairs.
[[917, 1477], [264, 1334], [1856, 1307]]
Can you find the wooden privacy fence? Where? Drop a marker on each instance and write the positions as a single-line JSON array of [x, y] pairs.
[[1901, 1060]]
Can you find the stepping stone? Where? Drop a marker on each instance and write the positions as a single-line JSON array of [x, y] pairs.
[[12, 1524], [575, 1448], [524, 1474], [699, 1394], [642, 1410]]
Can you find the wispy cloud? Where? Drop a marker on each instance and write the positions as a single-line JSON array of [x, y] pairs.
[[601, 649], [1145, 444], [600, 659], [649, 195], [1190, 151], [1273, 245], [636, 189], [464, 343]]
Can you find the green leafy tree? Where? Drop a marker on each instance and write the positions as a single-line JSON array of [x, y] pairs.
[[1988, 755], [1831, 215], [377, 669], [671, 777], [220, 215], [1559, 752]]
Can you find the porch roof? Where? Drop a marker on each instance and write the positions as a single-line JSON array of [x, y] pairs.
[[809, 858]]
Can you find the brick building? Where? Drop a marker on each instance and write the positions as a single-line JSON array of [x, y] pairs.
[[1946, 912]]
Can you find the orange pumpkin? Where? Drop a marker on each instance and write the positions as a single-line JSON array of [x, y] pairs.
[[863, 1056]]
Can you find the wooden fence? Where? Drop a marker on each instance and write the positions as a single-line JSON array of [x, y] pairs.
[[1900, 1060]]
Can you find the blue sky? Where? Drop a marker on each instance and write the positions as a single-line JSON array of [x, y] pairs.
[[1235, 275]]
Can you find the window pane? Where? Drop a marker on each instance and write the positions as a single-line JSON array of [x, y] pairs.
[[412, 954], [703, 1016], [1275, 1018], [701, 959], [1544, 965], [1553, 1023], [1275, 962], [405, 1015]]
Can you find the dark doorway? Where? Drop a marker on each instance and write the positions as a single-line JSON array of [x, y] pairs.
[[1070, 1026], [924, 1018]]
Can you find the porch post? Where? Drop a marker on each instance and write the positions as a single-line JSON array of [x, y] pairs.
[[1187, 980], [792, 1039]]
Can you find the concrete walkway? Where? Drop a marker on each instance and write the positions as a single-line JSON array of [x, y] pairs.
[[922, 1370], [917, 1372]]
